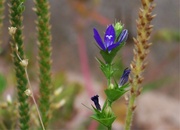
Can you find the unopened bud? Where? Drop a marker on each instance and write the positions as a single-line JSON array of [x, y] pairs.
[[111, 86], [118, 29], [108, 111], [24, 63], [118, 26]]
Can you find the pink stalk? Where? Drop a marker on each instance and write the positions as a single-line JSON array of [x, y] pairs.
[[85, 65], [86, 72]]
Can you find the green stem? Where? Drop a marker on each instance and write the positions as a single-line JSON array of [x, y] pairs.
[[130, 112], [108, 84], [104, 105], [110, 127], [109, 77]]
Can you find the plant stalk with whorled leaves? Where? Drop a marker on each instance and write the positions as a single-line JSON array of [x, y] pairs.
[[44, 57], [16, 10]]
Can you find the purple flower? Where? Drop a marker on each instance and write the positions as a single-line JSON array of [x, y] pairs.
[[110, 38], [124, 77], [95, 99]]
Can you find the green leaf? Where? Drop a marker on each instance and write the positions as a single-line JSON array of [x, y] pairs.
[[106, 68], [114, 94], [105, 121], [124, 87], [109, 56], [99, 61], [96, 111]]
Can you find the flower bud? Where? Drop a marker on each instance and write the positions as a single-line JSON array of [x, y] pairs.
[[95, 99], [111, 86], [108, 111], [124, 77], [118, 29]]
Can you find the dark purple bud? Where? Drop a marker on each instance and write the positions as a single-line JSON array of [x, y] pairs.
[[124, 77], [95, 99]]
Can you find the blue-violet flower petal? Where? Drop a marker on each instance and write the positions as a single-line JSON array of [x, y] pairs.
[[98, 39], [123, 36], [109, 36], [124, 77]]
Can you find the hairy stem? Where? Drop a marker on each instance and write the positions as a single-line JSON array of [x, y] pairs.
[[37, 109], [141, 50]]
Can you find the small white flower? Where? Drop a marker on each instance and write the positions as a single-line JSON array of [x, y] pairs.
[[12, 30], [58, 91], [9, 98], [28, 92], [24, 63], [59, 104]]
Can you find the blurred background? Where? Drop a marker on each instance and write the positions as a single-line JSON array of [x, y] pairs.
[[75, 69]]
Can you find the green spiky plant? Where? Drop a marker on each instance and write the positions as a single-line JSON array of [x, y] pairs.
[[16, 10], [44, 44]]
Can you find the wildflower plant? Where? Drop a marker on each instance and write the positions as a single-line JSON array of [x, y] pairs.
[[114, 39]]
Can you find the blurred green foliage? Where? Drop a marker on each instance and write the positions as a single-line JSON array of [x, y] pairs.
[[2, 83], [9, 115], [70, 90], [156, 84], [167, 35]]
